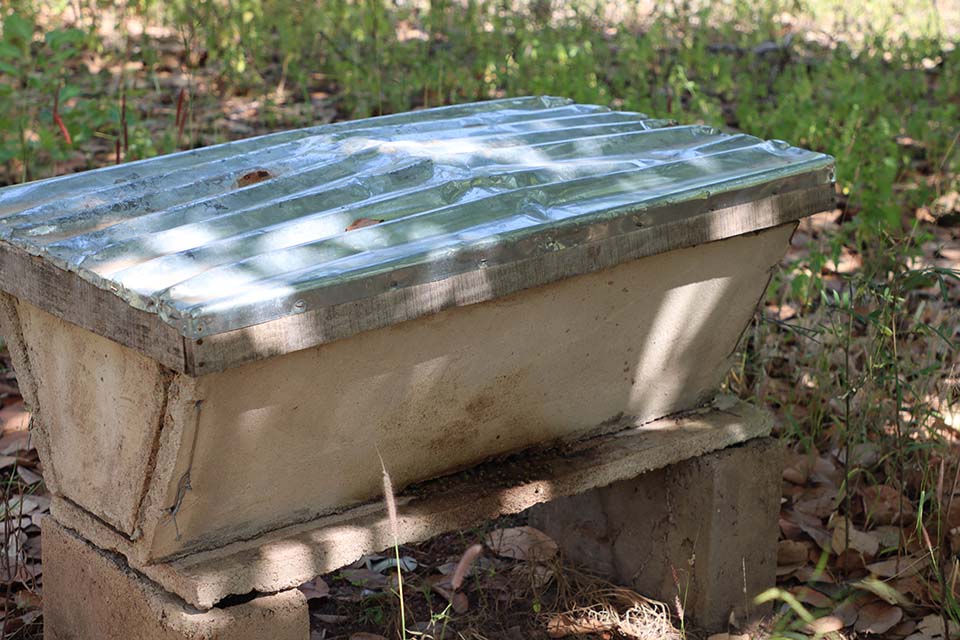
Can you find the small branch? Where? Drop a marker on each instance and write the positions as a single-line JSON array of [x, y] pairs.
[[58, 120], [123, 124]]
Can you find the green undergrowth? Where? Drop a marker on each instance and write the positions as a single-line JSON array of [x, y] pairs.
[[883, 100]]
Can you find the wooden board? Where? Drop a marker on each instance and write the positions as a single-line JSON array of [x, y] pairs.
[[71, 298]]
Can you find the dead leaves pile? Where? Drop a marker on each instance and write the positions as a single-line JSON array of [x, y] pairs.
[[867, 573], [511, 585], [883, 562], [24, 503]]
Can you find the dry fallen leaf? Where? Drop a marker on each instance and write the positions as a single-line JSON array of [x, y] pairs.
[[889, 536], [788, 570], [365, 578], [861, 541], [820, 506], [13, 545], [812, 597], [460, 602], [825, 472], [847, 612], [789, 529], [825, 625], [884, 504], [480, 565], [850, 562], [790, 552], [899, 566], [864, 454], [521, 543], [917, 587], [363, 635], [810, 525], [797, 467], [811, 573], [14, 417], [878, 618], [931, 628], [359, 223], [24, 505], [441, 584], [316, 589], [28, 476], [457, 599], [253, 177], [903, 629], [14, 441]]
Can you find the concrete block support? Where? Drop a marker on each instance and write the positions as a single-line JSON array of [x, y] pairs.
[[90, 594], [704, 529]]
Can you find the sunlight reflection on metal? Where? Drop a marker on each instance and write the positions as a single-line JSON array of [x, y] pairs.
[[187, 236]]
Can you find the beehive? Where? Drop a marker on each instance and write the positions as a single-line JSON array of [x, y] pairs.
[[217, 343]]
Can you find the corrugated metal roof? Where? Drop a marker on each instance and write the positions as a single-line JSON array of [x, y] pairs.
[[246, 232]]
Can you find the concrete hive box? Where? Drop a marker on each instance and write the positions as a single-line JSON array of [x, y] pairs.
[[218, 343]]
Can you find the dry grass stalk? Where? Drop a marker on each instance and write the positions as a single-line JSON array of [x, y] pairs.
[[391, 503], [621, 610], [463, 566], [390, 500], [588, 604]]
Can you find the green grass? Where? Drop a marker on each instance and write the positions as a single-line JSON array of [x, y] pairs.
[[880, 93]]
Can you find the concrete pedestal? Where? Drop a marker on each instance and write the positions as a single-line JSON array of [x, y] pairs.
[[677, 496], [92, 594], [703, 530]]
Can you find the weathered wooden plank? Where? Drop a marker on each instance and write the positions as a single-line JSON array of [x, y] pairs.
[[71, 298], [288, 557], [720, 219]]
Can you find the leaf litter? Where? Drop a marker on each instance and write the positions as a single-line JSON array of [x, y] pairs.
[[510, 583], [25, 503]]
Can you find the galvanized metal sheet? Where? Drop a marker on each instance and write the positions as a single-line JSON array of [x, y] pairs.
[[247, 232]]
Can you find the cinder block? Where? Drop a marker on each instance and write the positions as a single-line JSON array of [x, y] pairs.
[[703, 530], [90, 594]]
